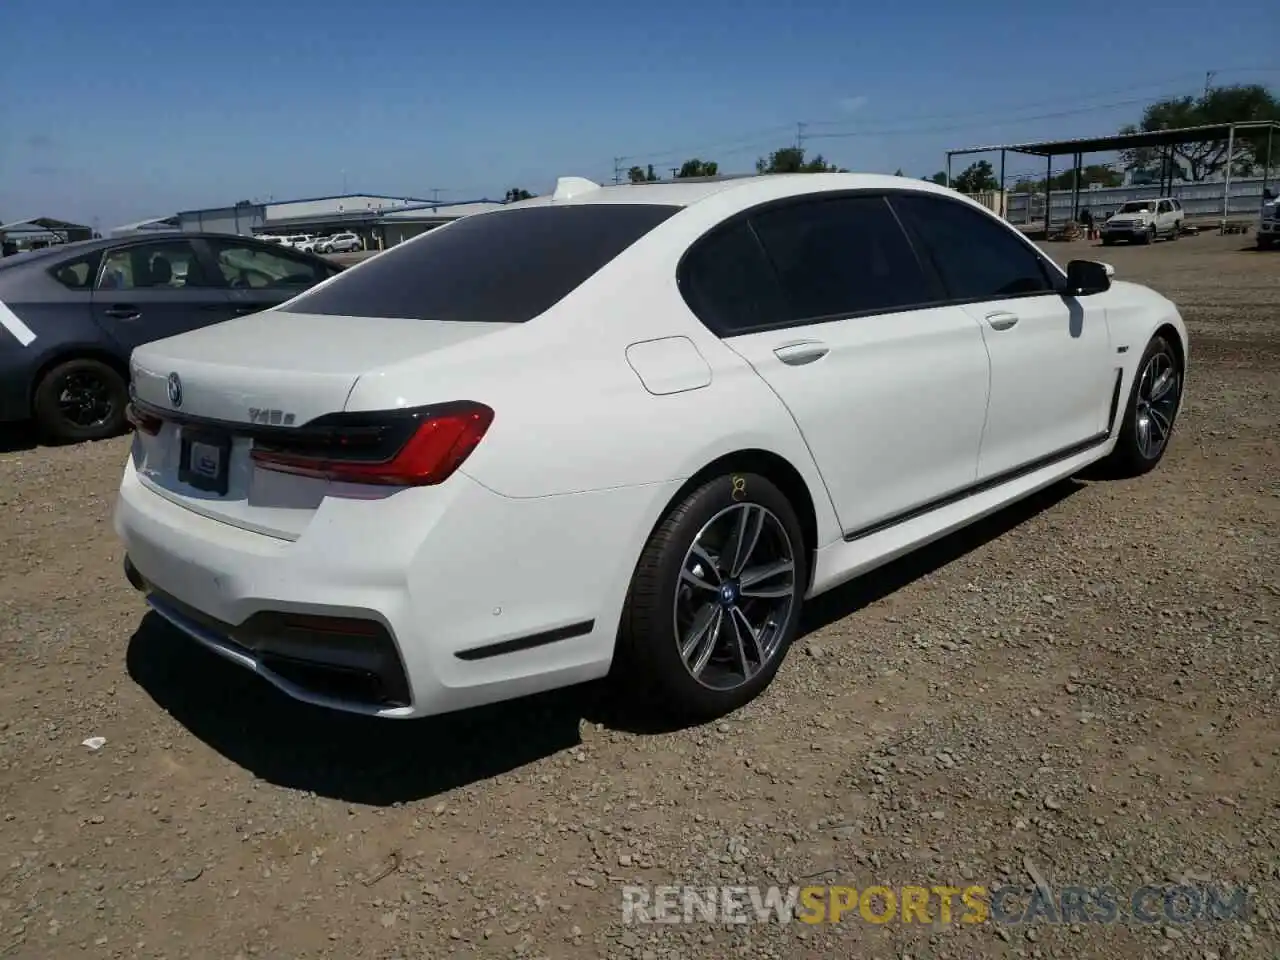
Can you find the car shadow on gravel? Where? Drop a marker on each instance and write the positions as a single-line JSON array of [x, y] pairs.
[[343, 756], [880, 583], [381, 762], [17, 437]]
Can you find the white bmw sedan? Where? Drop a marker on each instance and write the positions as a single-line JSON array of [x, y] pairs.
[[620, 430]]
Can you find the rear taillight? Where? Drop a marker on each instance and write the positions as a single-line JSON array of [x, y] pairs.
[[410, 448], [145, 422]]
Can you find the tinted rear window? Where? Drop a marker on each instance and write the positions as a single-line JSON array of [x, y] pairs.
[[503, 267]]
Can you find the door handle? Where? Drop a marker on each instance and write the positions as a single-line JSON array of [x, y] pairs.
[[798, 354], [124, 312], [1002, 320]]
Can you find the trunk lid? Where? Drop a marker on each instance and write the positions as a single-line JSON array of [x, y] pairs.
[[215, 385]]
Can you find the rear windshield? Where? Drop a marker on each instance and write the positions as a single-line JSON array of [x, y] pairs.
[[503, 267]]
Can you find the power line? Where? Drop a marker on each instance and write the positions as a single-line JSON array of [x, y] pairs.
[[686, 152], [803, 131], [970, 125]]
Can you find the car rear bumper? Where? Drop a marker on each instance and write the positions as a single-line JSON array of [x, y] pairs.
[[479, 597]]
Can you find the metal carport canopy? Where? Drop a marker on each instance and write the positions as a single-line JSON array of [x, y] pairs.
[[35, 224], [1176, 136], [1125, 141]]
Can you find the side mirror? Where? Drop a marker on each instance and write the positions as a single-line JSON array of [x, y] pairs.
[[1088, 276]]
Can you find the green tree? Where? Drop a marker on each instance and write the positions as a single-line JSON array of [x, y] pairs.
[[1233, 104], [698, 168], [1098, 173], [517, 193], [642, 175], [940, 178], [976, 178], [792, 160]]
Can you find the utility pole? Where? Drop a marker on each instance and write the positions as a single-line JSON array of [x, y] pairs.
[[800, 136], [617, 170], [435, 194], [1208, 80]]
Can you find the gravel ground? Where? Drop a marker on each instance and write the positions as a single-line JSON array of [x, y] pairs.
[[1079, 691]]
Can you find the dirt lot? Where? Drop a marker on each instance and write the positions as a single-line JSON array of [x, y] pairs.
[[1084, 687]]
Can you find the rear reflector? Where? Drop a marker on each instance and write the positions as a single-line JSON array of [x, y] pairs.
[[145, 422], [408, 448]]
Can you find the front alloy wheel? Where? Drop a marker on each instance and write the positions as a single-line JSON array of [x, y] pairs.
[[1149, 416], [1157, 404]]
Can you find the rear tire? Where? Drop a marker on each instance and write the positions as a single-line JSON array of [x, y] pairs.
[[705, 628], [1150, 414], [78, 400]]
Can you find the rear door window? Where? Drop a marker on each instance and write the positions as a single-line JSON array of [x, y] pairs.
[[163, 265], [503, 267], [841, 257]]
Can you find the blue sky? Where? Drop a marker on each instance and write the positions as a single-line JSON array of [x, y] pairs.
[[112, 111]]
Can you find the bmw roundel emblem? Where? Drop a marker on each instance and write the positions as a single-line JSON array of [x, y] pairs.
[[175, 390]]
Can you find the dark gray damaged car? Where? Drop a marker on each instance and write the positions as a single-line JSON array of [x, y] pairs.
[[70, 315]]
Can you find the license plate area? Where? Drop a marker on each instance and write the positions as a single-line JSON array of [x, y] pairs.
[[204, 460]]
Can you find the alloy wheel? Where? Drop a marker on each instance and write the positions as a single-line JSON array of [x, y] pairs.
[[736, 594], [1159, 390], [85, 399]]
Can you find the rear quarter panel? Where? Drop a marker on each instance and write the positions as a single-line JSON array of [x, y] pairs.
[[571, 415], [60, 324]]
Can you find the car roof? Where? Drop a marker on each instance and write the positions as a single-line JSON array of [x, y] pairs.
[[746, 190]]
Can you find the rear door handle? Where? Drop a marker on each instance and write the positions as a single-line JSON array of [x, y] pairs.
[[1002, 320], [798, 354], [124, 311]]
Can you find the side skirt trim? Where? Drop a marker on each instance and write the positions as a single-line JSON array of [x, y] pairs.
[[528, 643], [989, 484]]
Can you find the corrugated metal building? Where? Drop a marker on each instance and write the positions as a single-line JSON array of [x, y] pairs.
[[397, 226], [242, 218], [309, 215], [379, 221]]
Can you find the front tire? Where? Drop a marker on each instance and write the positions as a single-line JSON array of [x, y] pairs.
[[80, 400], [714, 602], [1150, 414]]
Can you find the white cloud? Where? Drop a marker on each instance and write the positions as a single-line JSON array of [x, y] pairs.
[[853, 104]]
